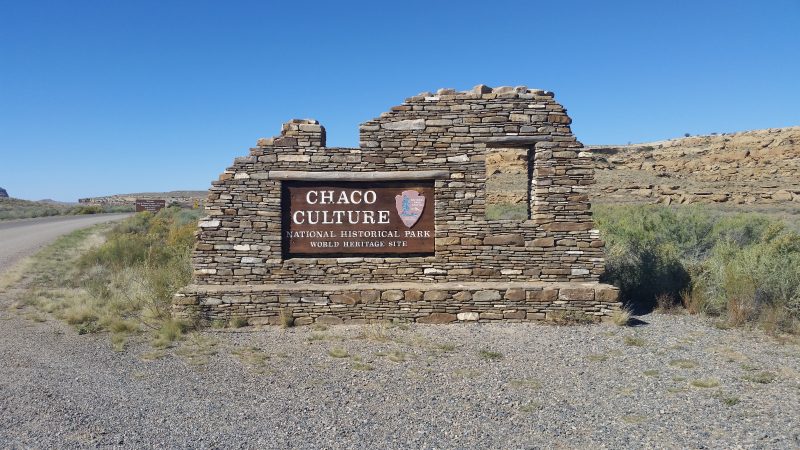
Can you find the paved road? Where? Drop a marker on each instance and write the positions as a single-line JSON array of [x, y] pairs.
[[21, 238]]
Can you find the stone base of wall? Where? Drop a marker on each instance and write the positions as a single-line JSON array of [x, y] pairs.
[[404, 302]]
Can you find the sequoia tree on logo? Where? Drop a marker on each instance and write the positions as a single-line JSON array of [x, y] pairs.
[[410, 205]]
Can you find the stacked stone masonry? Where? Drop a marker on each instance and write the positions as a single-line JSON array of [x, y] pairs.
[[240, 269]]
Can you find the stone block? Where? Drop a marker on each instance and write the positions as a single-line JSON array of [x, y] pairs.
[[576, 294], [504, 239], [346, 298], [514, 295], [491, 316], [515, 315], [413, 295], [299, 321], [486, 296], [328, 320], [438, 318], [468, 316], [435, 296], [544, 295], [483, 272], [462, 296], [370, 296], [543, 242], [405, 125], [568, 226], [450, 240], [392, 295], [607, 295]]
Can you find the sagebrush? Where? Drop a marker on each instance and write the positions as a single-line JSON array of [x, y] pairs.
[[742, 267]]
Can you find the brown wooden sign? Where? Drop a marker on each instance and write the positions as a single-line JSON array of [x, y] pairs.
[[354, 218], [150, 205]]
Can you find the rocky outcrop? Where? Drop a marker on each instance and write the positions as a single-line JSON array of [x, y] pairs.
[[183, 197], [3, 193], [760, 167]]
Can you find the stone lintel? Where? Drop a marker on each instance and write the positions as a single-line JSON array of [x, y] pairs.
[[399, 175], [512, 141]]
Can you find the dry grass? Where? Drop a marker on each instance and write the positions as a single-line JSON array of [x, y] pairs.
[[376, 332], [526, 383], [667, 304], [621, 317], [490, 355], [286, 318], [683, 363], [252, 357], [705, 383], [198, 349], [338, 352], [634, 341], [530, 407], [237, 322], [397, 356], [113, 278], [13, 275], [763, 377]]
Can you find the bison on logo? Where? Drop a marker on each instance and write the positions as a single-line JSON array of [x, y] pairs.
[[410, 205]]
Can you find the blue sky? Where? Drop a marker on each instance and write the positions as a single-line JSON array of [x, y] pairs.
[[103, 97]]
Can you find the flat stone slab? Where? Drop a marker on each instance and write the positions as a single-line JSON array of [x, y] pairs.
[[512, 141], [400, 286], [399, 175]]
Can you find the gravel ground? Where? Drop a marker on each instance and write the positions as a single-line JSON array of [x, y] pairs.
[[417, 386]]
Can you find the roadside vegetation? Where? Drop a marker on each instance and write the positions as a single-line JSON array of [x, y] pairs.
[[12, 208], [742, 268], [125, 284]]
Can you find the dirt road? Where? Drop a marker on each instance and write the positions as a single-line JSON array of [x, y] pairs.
[[21, 238]]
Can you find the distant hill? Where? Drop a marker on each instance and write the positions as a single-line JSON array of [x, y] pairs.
[[182, 197], [759, 167], [3, 193]]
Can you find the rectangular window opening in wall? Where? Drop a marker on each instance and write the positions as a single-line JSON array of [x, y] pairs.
[[362, 218], [508, 183]]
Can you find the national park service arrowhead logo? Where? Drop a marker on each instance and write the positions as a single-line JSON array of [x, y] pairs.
[[410, 205]]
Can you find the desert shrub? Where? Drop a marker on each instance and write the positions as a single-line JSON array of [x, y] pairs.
[[644, 249], [743, 267], [759, 282], [85, 209], [143, 262]]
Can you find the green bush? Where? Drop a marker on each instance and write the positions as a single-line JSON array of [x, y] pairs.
[[744, 267], [143, 262]]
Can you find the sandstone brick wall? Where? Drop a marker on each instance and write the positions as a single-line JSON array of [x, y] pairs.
[[447, 135], [452, 131], [420, 302]]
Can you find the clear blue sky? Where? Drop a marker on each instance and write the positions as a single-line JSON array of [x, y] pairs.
[[103, 97]]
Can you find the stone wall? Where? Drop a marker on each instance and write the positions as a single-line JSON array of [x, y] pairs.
[[409, 301], [444, 137]]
